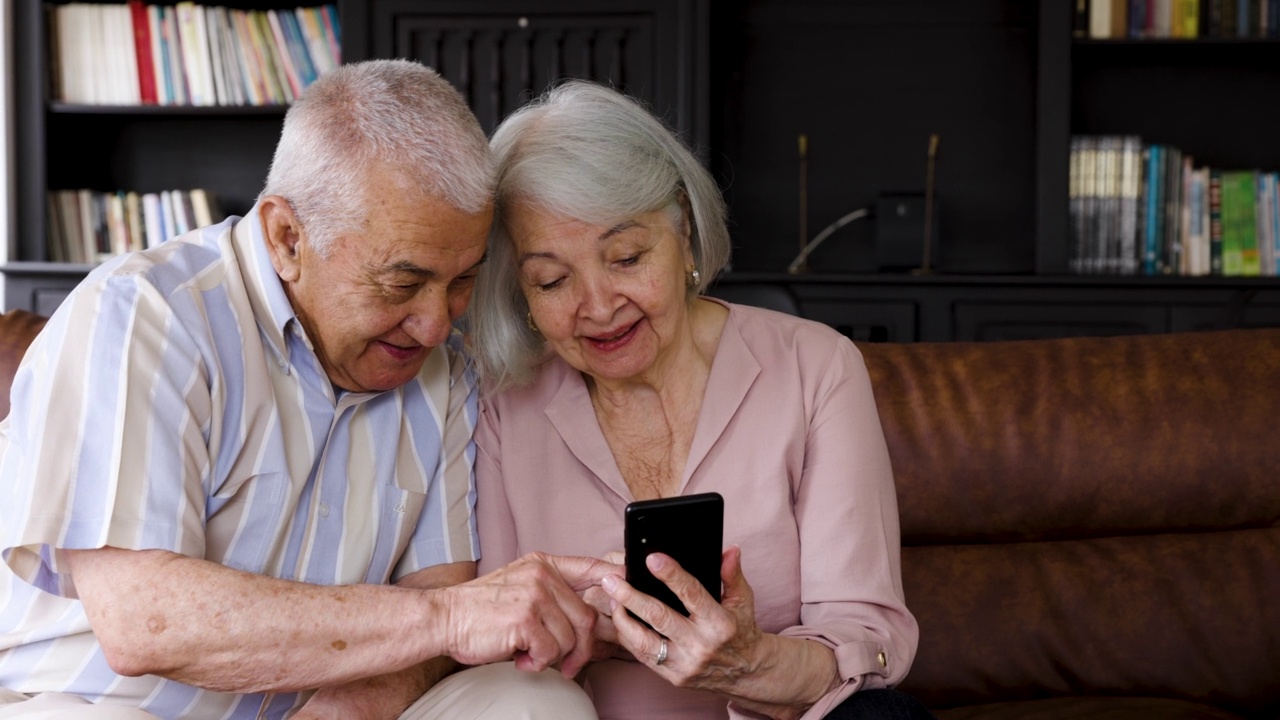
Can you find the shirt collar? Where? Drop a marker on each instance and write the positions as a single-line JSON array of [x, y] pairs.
[[271, 306]]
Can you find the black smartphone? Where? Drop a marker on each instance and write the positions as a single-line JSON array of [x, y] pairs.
[[689, 528]]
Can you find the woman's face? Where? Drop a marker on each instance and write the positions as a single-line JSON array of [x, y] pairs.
[[609, 300]]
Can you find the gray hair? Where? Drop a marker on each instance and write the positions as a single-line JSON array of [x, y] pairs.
[[377, 116], [593, 154]]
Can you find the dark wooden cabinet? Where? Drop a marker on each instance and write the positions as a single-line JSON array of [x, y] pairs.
[[500, 53], [939, 308]]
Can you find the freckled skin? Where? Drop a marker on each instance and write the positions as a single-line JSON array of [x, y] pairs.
[[339, 645]]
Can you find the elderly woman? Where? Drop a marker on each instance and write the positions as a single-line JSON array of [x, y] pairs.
[[611, 379]]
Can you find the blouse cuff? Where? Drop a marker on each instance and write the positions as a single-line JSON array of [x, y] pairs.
[[861, 665]]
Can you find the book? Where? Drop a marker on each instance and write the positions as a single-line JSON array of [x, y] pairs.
[[298, 50], [133, 221], [143, 52], [250, 64], [195, 54], [175, 66], [265, 41], [333, 31], [1153, 226], [1215, 222], [159, 63], [1075, 204], [312, 27], [217, 68], [201, 207], [152, 220], [1130, 203], [283, 55], [1172, 185]]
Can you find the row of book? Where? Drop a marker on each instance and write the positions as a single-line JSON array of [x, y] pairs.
[[88, 226], [188, 54], [1149, 209], [1176, 19]]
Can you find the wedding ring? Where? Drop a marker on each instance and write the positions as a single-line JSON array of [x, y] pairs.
[[662, 654]]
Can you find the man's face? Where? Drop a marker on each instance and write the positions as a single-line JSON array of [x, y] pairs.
[[384, 297]]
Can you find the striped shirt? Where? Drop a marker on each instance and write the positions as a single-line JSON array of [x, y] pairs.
[[175, 402]]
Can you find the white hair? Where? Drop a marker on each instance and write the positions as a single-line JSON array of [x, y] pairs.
[[392, 116], [587, 152]]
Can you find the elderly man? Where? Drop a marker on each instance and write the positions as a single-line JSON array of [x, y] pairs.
[[238, 467]]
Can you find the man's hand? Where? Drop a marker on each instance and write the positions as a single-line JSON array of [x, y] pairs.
[[529, 610]]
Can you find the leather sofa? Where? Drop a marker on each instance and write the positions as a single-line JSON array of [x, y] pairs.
[[1090, 526]]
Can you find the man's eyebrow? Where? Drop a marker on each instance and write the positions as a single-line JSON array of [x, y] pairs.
[[404, 266], [620, 227]]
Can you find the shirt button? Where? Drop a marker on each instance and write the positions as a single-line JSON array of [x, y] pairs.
[[884, 659], [324, 512]]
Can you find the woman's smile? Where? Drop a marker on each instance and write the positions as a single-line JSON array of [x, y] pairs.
[[614, 341]]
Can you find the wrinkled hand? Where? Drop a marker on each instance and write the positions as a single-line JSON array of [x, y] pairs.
[[529, 610], [606, 635], [716, 648]]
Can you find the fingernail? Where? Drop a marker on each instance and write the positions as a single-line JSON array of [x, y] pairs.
[[654, 561], [609, 583]]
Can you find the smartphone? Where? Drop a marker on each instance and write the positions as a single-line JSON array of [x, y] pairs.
[[689, 528]]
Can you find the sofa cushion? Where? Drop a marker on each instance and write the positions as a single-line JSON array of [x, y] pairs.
[[1184, 616], [17, 329], [1081, 437]]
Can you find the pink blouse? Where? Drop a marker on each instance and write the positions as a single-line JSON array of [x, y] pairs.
[[789, 435]]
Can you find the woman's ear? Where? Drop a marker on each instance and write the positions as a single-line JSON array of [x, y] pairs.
[[686, 227], [282, 233]]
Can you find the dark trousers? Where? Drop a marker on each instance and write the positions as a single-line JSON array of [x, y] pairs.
[[882, 704]]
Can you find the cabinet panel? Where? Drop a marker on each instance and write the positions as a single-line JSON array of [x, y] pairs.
[[500, 53], [867, 320], [1247, 310], [1024, 321]]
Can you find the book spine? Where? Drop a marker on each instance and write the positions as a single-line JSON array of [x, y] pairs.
[[283, 53], [142, 51], [1080, 19], [1150, 250], [298, 51], [1074, 205], [1250, 260], [1130, 189], [1173, 211], [1100, 18], [333, 31]]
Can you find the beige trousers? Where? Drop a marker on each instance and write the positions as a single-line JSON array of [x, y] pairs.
[[488, 692]]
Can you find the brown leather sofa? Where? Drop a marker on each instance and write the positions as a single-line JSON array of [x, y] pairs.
[[1090, 527]]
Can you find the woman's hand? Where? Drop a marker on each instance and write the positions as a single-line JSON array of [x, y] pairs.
[[606, 635], [717, 648]]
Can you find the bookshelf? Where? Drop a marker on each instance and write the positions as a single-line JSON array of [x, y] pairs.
[[222, 148], [1211, 97], [1009, 87]]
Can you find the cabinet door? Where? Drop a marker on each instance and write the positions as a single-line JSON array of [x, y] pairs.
[[500, 53], [1032, 320]]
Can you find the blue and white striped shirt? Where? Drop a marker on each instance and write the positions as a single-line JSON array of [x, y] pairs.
[[175, 402]]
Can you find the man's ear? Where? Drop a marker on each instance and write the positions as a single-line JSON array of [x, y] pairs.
[[282, 233]]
